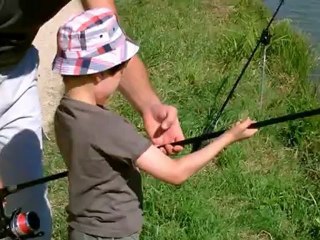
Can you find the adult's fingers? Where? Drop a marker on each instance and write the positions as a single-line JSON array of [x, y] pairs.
[[170, 118], [177, 149]]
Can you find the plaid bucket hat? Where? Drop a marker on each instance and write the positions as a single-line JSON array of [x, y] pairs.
[[91, 42]]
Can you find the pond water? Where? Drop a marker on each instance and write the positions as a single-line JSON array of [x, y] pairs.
[[305, 15]]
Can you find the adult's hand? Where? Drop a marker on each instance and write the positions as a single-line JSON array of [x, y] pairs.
[[162, 125]]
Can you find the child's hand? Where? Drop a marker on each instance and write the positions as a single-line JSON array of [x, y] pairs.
[[241, 131]]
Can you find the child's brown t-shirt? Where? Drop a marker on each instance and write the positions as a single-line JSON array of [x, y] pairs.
[[100, 149]]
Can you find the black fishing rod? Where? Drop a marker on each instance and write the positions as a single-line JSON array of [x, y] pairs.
[[265, 123], [272, 121], [15, 188], [264, 39], [24, 225]]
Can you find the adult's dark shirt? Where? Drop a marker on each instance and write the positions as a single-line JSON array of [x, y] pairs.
[[20, 20]]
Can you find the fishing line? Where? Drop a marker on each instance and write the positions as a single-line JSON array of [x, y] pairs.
[[263, 75], [264, 39]]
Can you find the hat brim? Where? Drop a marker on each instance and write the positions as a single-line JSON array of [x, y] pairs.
[[100, 63]]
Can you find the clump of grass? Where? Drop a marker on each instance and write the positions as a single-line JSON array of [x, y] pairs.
[[291, 46]]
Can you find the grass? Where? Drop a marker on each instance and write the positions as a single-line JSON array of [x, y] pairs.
[[263, 188]]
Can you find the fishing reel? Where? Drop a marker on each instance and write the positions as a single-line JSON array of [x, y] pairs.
[[20, 225]]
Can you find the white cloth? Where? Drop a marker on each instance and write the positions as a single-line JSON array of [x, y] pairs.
[[21, 139]]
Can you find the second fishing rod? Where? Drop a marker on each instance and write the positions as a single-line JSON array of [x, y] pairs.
[[264, 39]]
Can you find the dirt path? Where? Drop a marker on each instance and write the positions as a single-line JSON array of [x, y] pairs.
[[50, 84]]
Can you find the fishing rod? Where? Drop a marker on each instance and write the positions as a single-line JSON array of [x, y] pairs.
[[260, 124], [264, 39], [23, 225], [272, 121]]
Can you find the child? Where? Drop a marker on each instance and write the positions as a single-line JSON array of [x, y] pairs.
[[103, 152]]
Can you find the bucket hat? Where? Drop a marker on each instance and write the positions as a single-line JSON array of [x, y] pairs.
[[91, 42]]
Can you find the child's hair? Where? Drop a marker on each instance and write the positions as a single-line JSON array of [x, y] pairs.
[[112, 71], [109, 72]]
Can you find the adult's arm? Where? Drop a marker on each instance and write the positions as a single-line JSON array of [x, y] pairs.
[[160, 120], [135, 85], [88, 4]]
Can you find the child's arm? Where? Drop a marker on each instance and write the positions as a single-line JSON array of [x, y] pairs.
[[159, 165]]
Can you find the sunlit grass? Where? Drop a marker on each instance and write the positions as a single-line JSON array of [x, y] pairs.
[[264, 188]]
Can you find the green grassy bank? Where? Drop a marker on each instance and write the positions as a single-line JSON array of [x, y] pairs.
[[263, 188]]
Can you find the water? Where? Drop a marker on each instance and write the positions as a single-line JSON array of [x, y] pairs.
[[305, 15]]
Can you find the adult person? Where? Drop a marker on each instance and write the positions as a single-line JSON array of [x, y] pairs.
[[20, 113]]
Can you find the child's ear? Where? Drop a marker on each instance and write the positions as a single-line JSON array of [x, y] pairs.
[[98, 77]]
